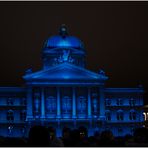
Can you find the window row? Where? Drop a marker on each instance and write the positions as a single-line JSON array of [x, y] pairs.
[[120, 115], [10, 115], [66, 104], [12, 101], [120, 102], [11, 129]]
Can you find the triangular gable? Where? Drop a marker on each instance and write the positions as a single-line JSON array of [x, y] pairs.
[[65, 71]]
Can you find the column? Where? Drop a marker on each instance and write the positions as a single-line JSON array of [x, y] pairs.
[[58, 103], [89, 102], [73, 102], [102, 103], [42, 103], [29, 103]]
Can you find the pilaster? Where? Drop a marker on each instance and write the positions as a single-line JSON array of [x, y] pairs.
[[58, 103], [42, 103], [89, 103], [73, 102]]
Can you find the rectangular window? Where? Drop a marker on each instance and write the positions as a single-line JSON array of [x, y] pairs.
[[23, 101], [108, 102], [23, 115], [108, 115], [132, 102], [10, 101], [119, 102], [10, 115], [120, 116]]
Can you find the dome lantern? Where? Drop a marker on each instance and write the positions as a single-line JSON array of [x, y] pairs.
[[63, 30]]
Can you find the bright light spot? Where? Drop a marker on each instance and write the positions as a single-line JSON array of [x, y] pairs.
[[144, 116], [66, 77], [64, 43]]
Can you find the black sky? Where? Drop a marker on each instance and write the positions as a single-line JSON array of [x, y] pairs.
[[115, 35]]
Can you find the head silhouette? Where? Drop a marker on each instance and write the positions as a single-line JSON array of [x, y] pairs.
[[38, 136]]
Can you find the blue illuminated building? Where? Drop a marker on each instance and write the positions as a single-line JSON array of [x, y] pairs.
[[64, 93]]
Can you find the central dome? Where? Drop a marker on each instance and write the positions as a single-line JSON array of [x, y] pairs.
[[63, 40]]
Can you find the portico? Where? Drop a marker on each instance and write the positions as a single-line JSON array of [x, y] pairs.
[[64, 90]]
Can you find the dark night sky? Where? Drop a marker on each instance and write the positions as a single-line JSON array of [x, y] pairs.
[[115, 35]]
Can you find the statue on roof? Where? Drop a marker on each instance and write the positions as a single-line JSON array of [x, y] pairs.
[[102, 72]]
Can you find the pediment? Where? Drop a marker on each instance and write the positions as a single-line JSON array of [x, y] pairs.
[[65, 71]]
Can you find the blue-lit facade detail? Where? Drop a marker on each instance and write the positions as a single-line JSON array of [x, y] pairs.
[[64, 93]]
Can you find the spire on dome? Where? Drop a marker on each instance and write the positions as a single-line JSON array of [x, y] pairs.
[[63, 30]]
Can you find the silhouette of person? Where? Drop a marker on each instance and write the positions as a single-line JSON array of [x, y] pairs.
[[38, 136]]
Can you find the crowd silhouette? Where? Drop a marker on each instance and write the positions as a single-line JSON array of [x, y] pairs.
[[40, 136]]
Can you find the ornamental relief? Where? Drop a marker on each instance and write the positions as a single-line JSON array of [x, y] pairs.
[[64, 57]]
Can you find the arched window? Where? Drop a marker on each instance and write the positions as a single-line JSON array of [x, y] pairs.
[[107, 102], [66, 104], [10, 101], [108, 115], [119, 102], [120, 115], [10, 115], [132, 102], [132, 115], [82, 104], [51, 104], [23, 115]]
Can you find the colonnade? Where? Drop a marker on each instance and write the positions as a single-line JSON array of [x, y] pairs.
[[74, 113]]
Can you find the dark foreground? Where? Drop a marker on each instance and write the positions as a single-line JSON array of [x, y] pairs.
[[42, 136]]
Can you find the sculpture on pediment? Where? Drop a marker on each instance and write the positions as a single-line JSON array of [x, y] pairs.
[[102, 72], [71, 60], [28, 71], [65, 57]]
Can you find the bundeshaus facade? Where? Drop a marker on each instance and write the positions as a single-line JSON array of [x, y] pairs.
[[64, 93]]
